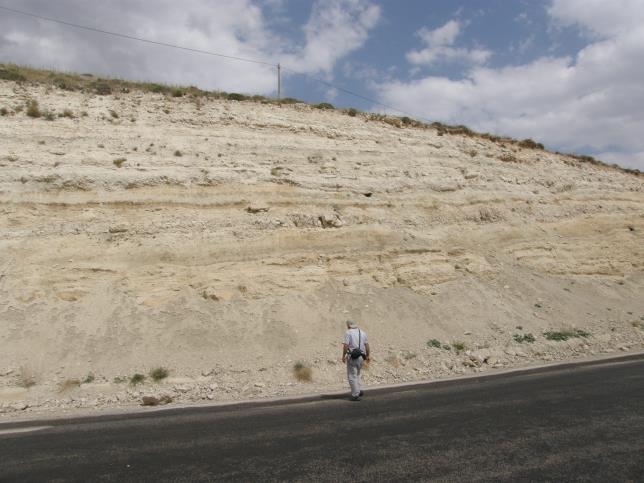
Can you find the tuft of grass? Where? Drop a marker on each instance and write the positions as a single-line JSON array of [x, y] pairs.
[[458, 346], [562, 335], [119, 380], [67, 113], [49, 116], [177, 93], [88, 379], [114, 114], [434, 343], [33, 109], [178, 153], [118, 162], [137, 379], [302, 372], [521, 338], [158, 373]]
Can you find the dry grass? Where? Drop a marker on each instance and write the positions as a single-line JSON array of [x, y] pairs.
[[26, 377], [118, 162], [302, 372], [159, 373], [69, 384]]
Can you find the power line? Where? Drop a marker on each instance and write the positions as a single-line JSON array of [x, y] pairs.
[[130, 37], [206, 52]]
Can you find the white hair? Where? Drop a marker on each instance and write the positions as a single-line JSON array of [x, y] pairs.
[[351, 324]]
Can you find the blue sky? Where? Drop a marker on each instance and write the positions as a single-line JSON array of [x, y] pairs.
[[567, 73]]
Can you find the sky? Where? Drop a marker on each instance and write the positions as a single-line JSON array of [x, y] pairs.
[[567, 73]]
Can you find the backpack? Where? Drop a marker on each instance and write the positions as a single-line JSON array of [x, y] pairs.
[[357, 353]]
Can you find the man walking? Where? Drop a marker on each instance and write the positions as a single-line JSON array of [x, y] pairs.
[[355, 350]]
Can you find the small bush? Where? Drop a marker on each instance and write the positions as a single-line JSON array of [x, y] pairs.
[[178, 153], [49, 116], [67, 113], [3, 111], [137, 379], [289, 100], [89, 378], [33, 109], [458, 346], [118, 162], [352, 112], [302, 372], [177, 93], [158, 373], [530, 144], [158, 88], [434, 343], [324, 105], [562, 335], [234, 96], [114, 114], [11, 75], [521, 338], [101, 88], [508, 158], [119, 380]]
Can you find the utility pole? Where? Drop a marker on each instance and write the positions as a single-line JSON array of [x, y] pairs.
[[279, 81]]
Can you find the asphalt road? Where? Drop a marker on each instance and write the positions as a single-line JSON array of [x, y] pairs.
[[582, 424]]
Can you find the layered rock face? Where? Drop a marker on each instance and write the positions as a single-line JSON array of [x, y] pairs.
[[226, 240]]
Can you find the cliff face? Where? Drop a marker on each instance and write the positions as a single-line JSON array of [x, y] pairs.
[[226, 240]]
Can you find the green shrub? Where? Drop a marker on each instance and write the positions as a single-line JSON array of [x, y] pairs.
[[49, 116], [352, 112], [88, 379], [521, 338], [177, 93], [11, 75], [101, 88], [324, 105], [118, 162], [234, 96], [158, 373], [434, 343], [562, 335], [137, 379], [458, 346], [530, 144]]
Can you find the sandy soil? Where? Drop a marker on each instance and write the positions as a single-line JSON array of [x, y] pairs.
[[227, 241]]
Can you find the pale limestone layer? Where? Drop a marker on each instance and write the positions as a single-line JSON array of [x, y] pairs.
[[245, 254]]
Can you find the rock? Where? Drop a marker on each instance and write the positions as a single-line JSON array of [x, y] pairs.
[[623, 348], [330, 221], [19, 406], [259, 384], [117, 229], [256, 208], [210, 397], [521, 354], [213, 386], [207, 372], [155, 401]]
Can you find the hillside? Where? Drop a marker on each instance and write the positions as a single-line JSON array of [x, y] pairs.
[[226, 241]]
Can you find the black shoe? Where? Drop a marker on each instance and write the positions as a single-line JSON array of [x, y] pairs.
[[355, 398], [361, 394]]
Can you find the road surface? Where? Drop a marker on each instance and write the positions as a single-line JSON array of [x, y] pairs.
[[575, 423]]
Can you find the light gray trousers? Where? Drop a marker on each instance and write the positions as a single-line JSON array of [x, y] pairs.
[[353, 375]]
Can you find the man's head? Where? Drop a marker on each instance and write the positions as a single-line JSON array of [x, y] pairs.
[[351, 324]]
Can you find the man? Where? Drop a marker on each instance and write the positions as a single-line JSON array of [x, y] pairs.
[[355, 339]]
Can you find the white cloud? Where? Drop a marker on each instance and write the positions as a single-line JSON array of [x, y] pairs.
[[240, 28], [439, 47], [589, 102], [335, 29]]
